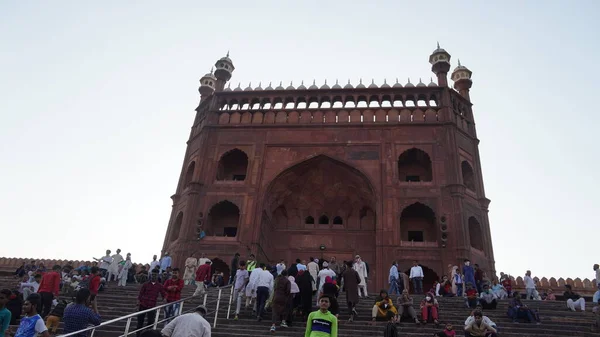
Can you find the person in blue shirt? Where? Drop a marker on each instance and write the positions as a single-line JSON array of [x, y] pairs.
[[32, 324], [5, 314], [165, 262], [81, 314], [469, 273]]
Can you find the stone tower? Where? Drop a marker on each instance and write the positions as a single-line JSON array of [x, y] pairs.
[[390, 172]]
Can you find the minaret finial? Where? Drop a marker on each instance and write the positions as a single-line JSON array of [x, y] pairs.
[[249, 84], [212, 69], [431, 79], [239, 84], [280, 83], [336, 81], [438, 45], [325, 81], [314, 82], [409, 80], [397, 80], [270, 83], [385, 81], [459, 62], [372, 81], [259, 84], [302, 83], [228, 53], [348, 81], [291, 83], [360, 80]]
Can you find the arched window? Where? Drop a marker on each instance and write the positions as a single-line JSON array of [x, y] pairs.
[[233, 166], [338, 220], [475, 235], [467, 175], [309, 220], [323, 220], [417, 223], [223, 219], [176, 227], [189, 175], [414, 165]]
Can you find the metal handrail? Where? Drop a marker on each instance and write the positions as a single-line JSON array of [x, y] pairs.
[[157, 316]]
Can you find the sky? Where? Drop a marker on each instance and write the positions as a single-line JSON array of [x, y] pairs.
[[97, 100]]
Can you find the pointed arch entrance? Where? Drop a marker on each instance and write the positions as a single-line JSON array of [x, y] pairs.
[[320, 207]]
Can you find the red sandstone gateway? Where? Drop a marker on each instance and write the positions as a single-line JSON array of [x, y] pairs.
[[390, 172]]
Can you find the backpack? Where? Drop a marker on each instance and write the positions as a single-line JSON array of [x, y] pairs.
[[390, 330]]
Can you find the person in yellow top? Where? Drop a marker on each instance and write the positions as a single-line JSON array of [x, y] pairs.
[[251, 263], [384, 307]]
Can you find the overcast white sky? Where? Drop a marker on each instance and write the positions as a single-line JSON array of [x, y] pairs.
[[96, 102]]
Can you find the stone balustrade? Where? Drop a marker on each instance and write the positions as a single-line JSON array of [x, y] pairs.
[[584, 287]]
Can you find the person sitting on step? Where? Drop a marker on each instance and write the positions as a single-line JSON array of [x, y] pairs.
[[574, 300], [486, 319], [471, 296], [429, 309], [499, 290], [384, 307], [405, 307], [447, 332], [478, 328], [516, 309], [488, 299]]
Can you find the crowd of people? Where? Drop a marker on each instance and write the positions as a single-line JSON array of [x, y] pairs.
[[45, 297]]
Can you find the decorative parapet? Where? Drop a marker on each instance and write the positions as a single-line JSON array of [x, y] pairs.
[[584, 287]]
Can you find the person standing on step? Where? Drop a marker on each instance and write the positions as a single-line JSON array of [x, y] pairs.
[[529, 285], [468, 273], [32, 325], [239, 286], [322, 323], [336, 267], [189, 275], [304, 282], [155, 264], [49, 289], [251, 263], [279, 303], [235, 263], [597, 270], [361, 268], [165, 262], [81, 314], [124, 272], [264, 287], [323, 274], [393, 278], [104, 263], [173, 287], [202, 278], [202, 260], [416, 277], [188, 325], [280, 267], [147, 299], [351, 281], [113, 267], [313, 270]]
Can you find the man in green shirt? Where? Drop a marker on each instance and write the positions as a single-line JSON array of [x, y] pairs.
[[322, 323]]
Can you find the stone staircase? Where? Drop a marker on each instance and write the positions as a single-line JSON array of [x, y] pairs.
[[557, 321]]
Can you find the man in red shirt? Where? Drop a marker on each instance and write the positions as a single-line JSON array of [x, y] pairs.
[[147, 299], [173, 287], [95, 280], [49, 288], [202, 278]]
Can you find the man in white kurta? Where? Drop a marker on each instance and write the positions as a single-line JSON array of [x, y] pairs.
[[313, 270], [113, 268], [361, 269], [124, 272], [189, 325], [191, 263]]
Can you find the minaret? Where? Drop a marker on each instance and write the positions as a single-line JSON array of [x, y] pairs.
[[440, 65], [207, 85], [223, 73], [462, 80]]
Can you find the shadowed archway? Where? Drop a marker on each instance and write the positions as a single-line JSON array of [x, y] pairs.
[[320, 202]]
